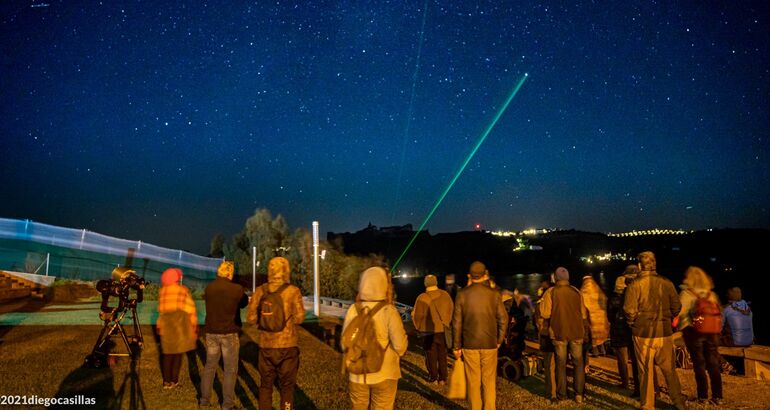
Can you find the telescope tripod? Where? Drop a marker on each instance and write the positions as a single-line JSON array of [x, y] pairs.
[[112, 327]]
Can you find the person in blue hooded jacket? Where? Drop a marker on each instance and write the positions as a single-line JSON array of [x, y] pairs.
[[737, 320]]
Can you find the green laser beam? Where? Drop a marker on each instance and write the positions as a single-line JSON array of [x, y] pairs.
[[462, 168]]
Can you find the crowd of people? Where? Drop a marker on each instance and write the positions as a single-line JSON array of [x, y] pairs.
[[638, 323]]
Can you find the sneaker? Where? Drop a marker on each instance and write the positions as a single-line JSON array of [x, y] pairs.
[[717, 401], [555, 400], [166, 385], [442, 382], [578, 398]]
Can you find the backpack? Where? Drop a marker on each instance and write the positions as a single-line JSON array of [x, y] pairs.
[[706, 317], [270, 310], [362, 353]]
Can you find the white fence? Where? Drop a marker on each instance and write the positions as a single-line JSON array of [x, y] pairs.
[[83, 239]]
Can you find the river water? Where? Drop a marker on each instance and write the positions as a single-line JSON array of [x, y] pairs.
[[407, 289]]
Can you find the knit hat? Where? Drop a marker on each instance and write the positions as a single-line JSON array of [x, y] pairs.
[[631, 270], [477, 270], [171, 276], [561, 273], [430, 280], [226, 269]]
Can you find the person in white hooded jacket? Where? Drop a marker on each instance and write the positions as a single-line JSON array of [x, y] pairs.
[[378, 390]]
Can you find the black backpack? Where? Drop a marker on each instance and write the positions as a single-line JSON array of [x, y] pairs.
[[271, 317]]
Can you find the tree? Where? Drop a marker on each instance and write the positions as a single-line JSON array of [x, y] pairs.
[[338, 272], [270, 236], [217, 246]]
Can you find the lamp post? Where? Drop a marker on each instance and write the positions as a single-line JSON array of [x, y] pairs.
[[316, 280]]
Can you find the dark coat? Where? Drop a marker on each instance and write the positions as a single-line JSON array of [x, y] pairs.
[[224, 299], [563, 309], [177, 334], [480, 319], [620, 333]]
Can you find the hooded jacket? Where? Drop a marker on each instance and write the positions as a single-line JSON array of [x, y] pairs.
[[596, 303], [737, 315], [293, 309], [373, 288]]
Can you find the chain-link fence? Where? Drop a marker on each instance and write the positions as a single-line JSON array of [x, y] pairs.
[[33, 247]]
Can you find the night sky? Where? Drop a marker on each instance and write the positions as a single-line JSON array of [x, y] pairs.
[[168, 123]]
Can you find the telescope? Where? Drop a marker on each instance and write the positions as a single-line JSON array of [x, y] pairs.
[[123, 281]]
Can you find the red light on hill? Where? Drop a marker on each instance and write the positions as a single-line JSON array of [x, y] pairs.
[[477, 227]]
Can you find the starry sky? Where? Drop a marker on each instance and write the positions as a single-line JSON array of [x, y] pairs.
[[169, 122]]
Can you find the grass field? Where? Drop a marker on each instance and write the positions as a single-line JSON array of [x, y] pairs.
[[45, 360]]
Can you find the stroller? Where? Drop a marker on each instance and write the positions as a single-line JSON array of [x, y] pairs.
[[512, 363]]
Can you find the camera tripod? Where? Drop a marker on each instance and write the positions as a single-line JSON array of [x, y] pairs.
[[112, 327]]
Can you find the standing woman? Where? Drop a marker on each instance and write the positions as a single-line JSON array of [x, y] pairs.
[[595, 302], [377, 390], [177, 324], [620, 332], [701, 344]]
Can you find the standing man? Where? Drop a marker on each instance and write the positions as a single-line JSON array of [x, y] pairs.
[[224, 299], [479, 326], [278, 348], [651, 302], [564, 314], [432, 317], [546, 345]]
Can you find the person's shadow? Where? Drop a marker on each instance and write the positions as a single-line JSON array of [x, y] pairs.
[[132, 387], [89, 383]]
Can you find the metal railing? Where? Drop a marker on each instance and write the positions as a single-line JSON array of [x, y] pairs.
[[404, 310]]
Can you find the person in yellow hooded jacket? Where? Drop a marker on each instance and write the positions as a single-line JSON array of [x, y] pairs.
[[278, 351]]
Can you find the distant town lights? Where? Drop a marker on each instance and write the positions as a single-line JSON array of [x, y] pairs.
[[526, 232], [650, 232], [609, 256]]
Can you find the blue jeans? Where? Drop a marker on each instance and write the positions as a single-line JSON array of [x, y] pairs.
[[576, 350], [227, 346]]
